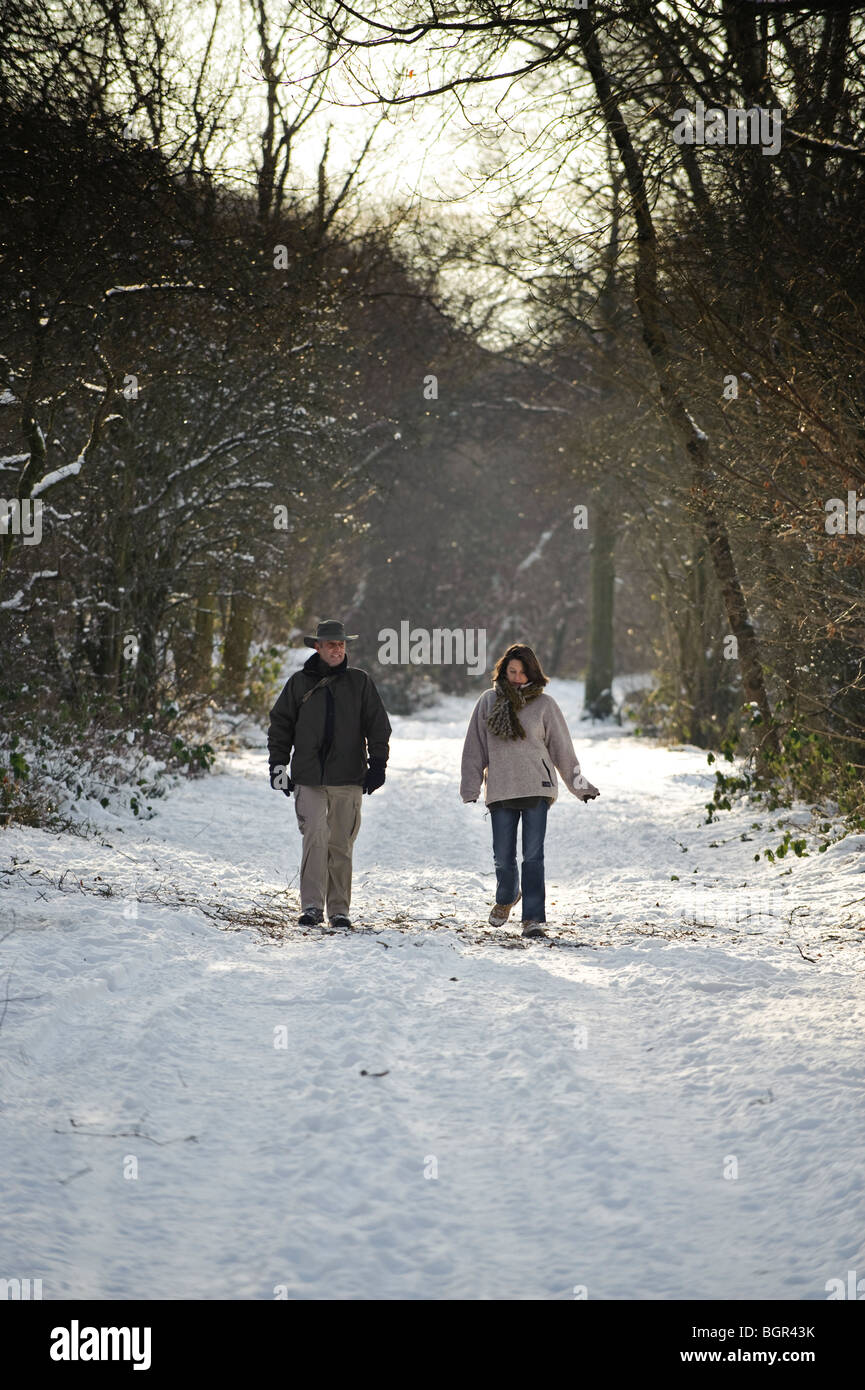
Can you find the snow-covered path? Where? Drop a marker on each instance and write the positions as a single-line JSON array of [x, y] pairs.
[[670, 1106]]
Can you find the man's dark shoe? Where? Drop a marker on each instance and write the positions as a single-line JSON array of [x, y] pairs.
[[310, 917], [340, 920]]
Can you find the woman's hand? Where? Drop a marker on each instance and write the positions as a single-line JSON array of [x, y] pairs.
[[583, 788]]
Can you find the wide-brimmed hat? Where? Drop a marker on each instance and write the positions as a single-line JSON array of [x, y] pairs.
[[329, 631]]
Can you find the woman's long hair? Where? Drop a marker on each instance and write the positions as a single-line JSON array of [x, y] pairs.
[[531, 665]]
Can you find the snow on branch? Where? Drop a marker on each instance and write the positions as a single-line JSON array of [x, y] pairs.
[[15, 601], [537, 552], [524, 405], [162, 285], [57, 476]]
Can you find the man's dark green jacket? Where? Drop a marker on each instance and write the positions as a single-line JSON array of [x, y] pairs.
[[332, 731]]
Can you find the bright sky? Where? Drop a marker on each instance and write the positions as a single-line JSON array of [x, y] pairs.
[[432, 154]]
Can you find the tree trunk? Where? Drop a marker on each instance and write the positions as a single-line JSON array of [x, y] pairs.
[[235, 649], [144, 679], [202, 650], [193, 646], [598, 697], [648, 300], [785, 662], [557, 647], [699, 674]]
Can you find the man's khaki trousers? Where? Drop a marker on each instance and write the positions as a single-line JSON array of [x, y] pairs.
[[329, 819]]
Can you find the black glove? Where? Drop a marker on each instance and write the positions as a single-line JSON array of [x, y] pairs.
[[280, 780], [374, 777]]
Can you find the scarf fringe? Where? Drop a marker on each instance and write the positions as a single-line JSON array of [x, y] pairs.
[[503, 719]]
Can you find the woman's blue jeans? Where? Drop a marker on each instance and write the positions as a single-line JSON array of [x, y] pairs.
[[505, 822]]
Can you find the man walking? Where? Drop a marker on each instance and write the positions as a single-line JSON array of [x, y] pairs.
[[333, 716]]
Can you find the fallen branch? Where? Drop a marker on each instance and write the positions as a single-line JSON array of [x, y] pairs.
[[135, 1133]]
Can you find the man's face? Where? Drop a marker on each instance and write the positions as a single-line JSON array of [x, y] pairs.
[[331, 652]]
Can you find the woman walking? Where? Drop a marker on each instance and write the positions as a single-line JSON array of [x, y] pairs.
[[517, 737]]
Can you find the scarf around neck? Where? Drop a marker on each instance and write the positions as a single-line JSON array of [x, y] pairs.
[[504, 718], [315, 666]]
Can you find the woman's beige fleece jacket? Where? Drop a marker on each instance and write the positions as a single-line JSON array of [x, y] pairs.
[[522, 766]]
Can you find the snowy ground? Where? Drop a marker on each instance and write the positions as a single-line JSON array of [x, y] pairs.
[[666, 1103]]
